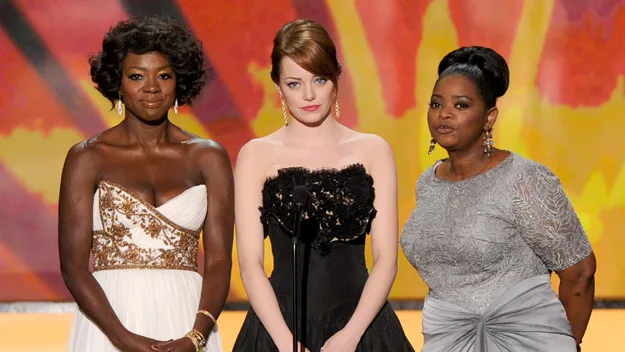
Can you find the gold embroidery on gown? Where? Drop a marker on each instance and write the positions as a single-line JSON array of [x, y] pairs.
[[136, 235]]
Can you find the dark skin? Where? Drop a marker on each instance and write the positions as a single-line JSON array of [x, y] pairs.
[[457, 119], [157, 160]]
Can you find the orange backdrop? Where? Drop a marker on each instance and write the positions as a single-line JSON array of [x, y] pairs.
[[567, 59]]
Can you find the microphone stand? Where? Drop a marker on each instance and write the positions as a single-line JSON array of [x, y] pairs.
[[294, 243], [300, 198]]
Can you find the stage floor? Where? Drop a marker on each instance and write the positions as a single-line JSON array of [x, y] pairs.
[[48, 332]]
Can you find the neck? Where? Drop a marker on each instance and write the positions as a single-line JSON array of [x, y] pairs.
[[312, 135], [466, 164], [146, 133]]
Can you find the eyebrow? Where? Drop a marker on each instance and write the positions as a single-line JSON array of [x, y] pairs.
[[145, 69], [295, 78], [461, 96], [453, 96]]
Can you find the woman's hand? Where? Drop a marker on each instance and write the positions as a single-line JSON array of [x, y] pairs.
[[183, 344], [301, 348], [136, 343], [342, 341]]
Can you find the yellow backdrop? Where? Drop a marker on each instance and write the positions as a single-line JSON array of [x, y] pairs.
[[562, 109]]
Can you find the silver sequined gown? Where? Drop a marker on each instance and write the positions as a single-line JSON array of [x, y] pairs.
[[485, 246]]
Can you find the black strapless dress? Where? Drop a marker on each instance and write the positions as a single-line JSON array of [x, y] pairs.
[[332, 268]]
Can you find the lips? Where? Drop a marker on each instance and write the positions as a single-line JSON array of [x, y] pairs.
[[444, 129], [311, 108], [151, 103]]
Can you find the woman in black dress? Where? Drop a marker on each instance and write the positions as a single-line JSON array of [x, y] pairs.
[[352, 181]]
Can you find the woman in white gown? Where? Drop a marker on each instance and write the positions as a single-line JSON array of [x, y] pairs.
[[138, 195]]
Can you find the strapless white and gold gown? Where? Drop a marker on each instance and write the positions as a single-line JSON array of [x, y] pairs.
[[145, 259]]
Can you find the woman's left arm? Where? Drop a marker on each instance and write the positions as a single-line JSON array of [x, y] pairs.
[[549, 225], [218, 233], [577, 294], [384, 245], [214, 164]]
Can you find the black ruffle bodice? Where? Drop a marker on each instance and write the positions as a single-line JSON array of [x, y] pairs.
[[340, 207], [331, 267]]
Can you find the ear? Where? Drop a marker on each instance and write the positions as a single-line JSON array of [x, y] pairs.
[[491, 118]]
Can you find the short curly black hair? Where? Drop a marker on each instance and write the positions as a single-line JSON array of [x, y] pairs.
[[140, 36]]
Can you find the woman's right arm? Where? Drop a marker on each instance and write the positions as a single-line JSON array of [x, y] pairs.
[[248, 183], [78, 182]]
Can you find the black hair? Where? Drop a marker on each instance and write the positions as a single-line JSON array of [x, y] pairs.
[[484, 66], [140, 36]]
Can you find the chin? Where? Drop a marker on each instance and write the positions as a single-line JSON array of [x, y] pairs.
[[311, 122], [153, 117], [447, 145], [445, 142], [313, 119]]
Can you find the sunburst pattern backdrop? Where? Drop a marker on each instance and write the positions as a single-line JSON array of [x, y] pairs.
[[563, 108]]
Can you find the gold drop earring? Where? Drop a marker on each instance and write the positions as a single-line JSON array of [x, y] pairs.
[[285, 113], [432, 146], [488, 142]]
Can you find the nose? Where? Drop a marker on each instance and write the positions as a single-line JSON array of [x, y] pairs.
[[151, 85], [309, 93], [445, 112]]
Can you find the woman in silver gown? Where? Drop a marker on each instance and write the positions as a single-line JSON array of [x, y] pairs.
[[490, 226]]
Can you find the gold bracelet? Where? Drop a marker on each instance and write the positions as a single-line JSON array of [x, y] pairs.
[[209, 315], [200, 337], [197, 332], [196, 344]]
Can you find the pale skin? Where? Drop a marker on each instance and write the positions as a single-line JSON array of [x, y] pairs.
[[455, 102], [139, 154], [314, 140]]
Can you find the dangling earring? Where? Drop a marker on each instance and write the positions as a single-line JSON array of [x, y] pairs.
[[337, 110], [285, 114], [432, 146], [176, 106], [120, 111], [488, 142]]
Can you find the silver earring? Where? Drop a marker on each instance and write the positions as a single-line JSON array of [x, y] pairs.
[[432, 146], [488, 142], [176, 106], [120, 111]]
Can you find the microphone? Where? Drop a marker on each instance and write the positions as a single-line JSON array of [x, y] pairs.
[[301, 195]]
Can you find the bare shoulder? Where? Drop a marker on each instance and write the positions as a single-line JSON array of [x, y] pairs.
[[85, 153], [259, 151], [376, 142], [204, 150], [205, 145], [83, 163], [367, 140], [370, 145]]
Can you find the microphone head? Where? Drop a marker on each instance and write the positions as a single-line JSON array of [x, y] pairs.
[[300, 195]]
